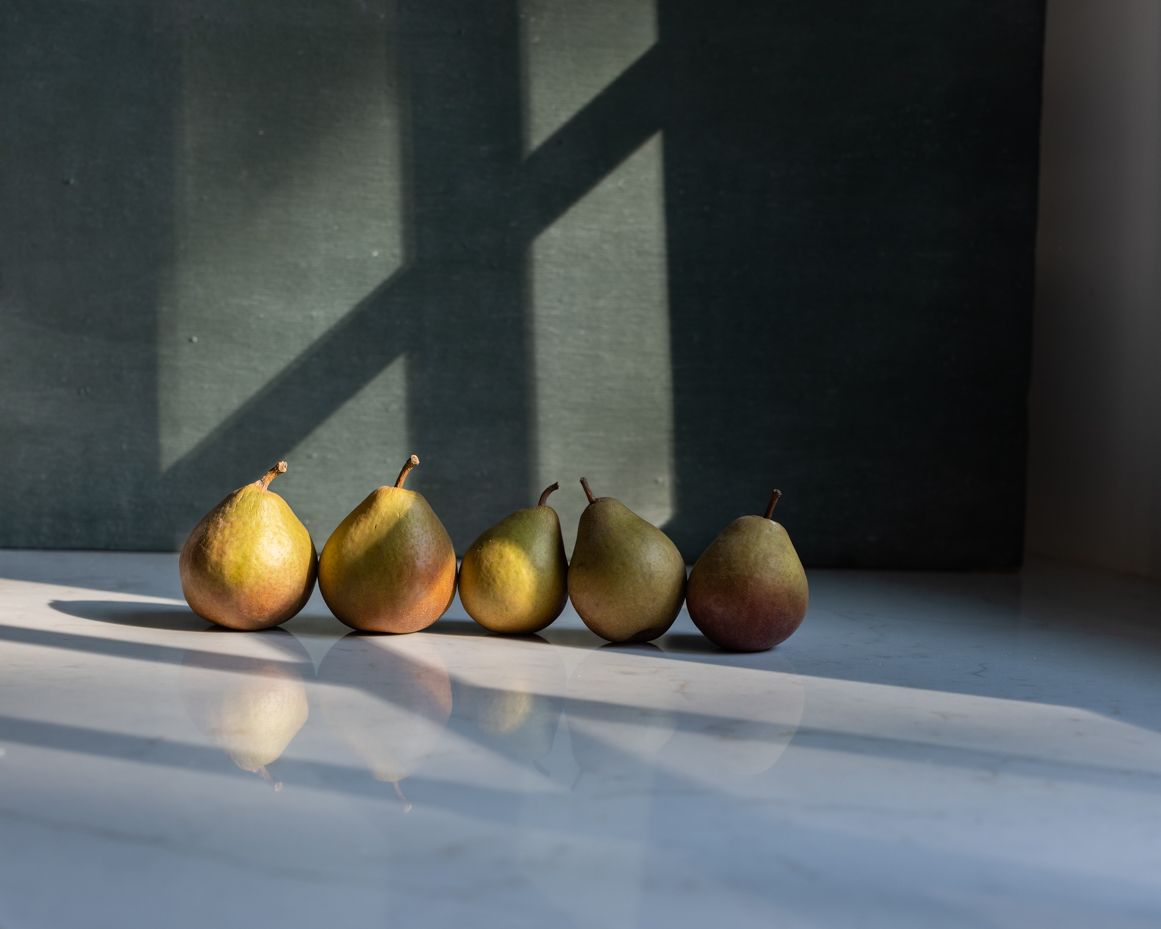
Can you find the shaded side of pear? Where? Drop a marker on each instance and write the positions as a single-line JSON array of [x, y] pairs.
[[514, 577], [390, 565], [626, 579], [250, 563], [748, 591]]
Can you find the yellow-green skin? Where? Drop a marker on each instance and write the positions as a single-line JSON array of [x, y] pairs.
[[390, 565], [249, 564], [748, 591], [626, 579], [514, 577]]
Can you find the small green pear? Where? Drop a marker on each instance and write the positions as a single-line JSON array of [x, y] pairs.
[[390, 565], [249, 564], [514, 577], [627, 579], [748, 591]]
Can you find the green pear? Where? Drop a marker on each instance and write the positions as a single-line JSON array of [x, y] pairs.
[[627, 579], [514, 577], [390, 565], [748, 591], [249, 564], [249, 705]]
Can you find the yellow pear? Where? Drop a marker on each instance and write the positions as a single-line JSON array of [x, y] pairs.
[[627, 579], [249, 564], [748, 591], [514, 577], [390, 565]]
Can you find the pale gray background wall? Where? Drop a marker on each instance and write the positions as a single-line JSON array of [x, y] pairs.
[[690, 250], [1095, 451]]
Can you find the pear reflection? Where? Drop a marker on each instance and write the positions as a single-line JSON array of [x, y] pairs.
[[514, 698], [737, 721], [388, 698], [620, 706], [245, 692]]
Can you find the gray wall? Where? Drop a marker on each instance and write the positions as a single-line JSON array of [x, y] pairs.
[[1095, 455], [689, 250]]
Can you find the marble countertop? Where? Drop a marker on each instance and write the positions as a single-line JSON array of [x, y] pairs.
[[929, 750]]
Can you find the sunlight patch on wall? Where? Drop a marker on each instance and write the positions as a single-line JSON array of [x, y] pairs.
[[572, 50], [360, 447], [288, 204], [599, 310]]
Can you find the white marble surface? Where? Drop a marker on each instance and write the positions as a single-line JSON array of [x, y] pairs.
[[927, 751]]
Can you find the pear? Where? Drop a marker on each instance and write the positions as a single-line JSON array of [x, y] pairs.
[[388, 699], [249, 705], [249, 564], [627, 579], [514, 577], [748, 591], [390, 565]]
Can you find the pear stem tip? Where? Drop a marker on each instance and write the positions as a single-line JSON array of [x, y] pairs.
[[588, 490], [270, 475], [555, 485], [774, 495], [407, 466]]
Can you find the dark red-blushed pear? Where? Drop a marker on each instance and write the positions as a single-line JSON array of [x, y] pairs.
[[748, 591], [390, 565], [249, 564]]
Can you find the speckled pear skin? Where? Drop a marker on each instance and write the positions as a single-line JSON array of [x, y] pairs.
[[748, 591], [626, 579], [514, 577], [250, 563], [390, 565]]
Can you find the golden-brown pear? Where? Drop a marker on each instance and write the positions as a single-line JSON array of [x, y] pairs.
[[748, 591], [249, 564], [514, 577], [627, 579], [390, 565]]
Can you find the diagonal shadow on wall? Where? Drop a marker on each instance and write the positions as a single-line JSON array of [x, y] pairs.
[[456, 307]]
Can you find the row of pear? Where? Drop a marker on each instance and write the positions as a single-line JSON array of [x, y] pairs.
[[390, 567]]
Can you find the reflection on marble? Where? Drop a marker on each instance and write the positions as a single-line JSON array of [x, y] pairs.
[[247, 702], [928, 750], [389, 698]]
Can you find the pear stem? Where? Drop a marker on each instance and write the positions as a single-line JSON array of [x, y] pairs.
[[555, 485], [407, 466], [588, 490], [270, 475], [399, 794], [774, 495]]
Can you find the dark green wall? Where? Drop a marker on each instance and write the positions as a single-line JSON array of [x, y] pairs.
[[692, 250]]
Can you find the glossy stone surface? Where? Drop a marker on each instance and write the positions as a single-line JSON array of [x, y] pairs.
[[927, 750]]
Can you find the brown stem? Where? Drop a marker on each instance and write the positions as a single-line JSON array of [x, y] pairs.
[[270, 475], [555, 485], [407, 466], [265, 775], [588, 490], [774, 495]]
